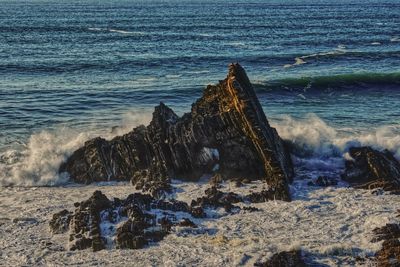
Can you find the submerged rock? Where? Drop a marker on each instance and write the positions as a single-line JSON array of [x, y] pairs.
[[226, 134], [371, 169], [324, 181], [291, 258]]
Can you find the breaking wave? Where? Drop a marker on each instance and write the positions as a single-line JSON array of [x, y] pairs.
[[36, 162], [353, 81], [318, 146], [314, 144]]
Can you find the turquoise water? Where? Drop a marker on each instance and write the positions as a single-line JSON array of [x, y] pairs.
[[327, 72]]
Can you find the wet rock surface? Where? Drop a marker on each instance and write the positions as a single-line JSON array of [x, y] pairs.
[[216, 199], [226, 133], [371, 169], [141, 219], [131, 223], [284, 259], [60, 222], [389, 254]]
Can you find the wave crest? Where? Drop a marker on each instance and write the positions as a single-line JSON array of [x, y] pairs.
[[36, 163], [313, 137]]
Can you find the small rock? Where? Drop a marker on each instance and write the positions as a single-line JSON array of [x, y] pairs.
[[60, 222], [187, 223], [325, 181]]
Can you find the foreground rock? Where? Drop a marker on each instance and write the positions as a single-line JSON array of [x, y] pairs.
[[225, 134], [136, 221], [131, 223], [372, 169], [284, 259], [389, 254]]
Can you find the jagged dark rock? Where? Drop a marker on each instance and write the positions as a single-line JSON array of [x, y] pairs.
[[226, 133], [215, 198], [291, 258], [371, 169], [389, 231], [134, 221], [60, 222], [389, 254], [263, 196], [85, 229]]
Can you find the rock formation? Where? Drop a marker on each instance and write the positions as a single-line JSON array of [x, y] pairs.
[[133, 222], [130, 223], [371, 169], [225, 134]]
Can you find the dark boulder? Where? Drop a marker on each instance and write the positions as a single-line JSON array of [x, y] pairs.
[[216, 199], [187, 223], [85, 229], [371, 169], [324, 181], [226, 133], [263, 196], [60, 222], [389, 231], [284, 259], [389, 254]]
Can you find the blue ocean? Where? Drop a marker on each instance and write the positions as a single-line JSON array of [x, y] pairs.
[[327, 73]]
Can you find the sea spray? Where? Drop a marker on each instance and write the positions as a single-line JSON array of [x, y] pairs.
[[36, 163], [315, 146], [312, 136]]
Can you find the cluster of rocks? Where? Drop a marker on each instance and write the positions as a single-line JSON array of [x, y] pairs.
[[389, 254], [97, 218], [94, 222], [225, 134]]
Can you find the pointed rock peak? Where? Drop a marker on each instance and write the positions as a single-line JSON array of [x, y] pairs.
[[163, 113], [239, 76]]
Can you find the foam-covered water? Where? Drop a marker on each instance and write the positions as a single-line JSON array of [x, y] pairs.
[[331, 225], [327, 73]]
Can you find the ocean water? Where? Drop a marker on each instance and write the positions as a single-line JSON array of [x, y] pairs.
[[327, 73]]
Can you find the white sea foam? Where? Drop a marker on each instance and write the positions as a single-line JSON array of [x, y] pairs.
[[331, 225], [126, 32], [314, 136], [116, 31], [38, 161], [340, 50]]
